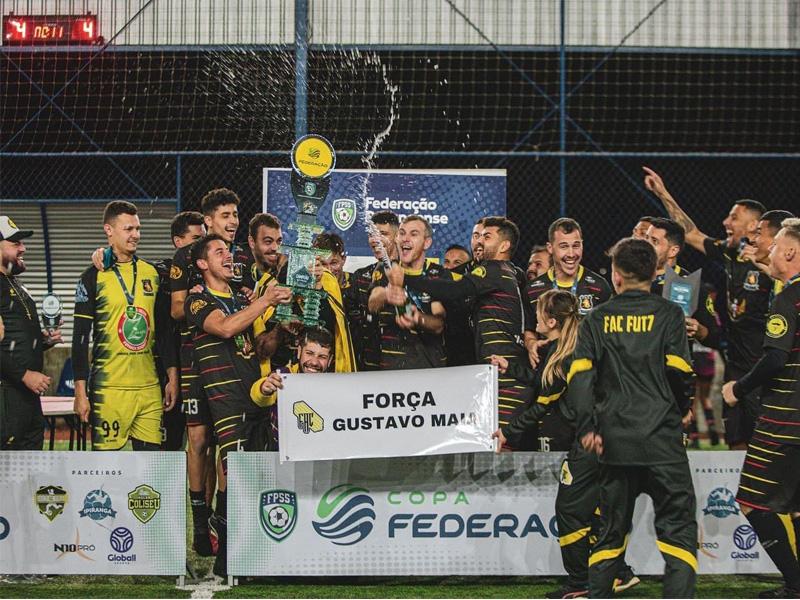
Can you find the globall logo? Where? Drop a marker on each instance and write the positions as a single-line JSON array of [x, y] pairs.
[[346, 515], [744, 536], [121, 539]]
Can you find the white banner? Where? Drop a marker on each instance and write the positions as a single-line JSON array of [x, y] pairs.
[[115, 513], [390, 413], [462, 514]]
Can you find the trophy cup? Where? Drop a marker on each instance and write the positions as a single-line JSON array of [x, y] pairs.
[[51, 312], [313, 160]]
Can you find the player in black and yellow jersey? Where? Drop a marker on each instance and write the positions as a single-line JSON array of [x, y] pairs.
[[499, 313], [458, 326], [630, 383], [116, 308], [363, 326], [220, 320], [411, 324], [703, 327], [337, 256], [748, 293], [552, 420], [757, 251], [769, 488]]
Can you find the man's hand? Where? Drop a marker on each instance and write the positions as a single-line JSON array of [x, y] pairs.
[[593, 442], [501, 440], [396, 295], [687, 418], [727, 394], [248, 293], [97, 259], [500, 362], [36, 382], [695, 330], [196, 289], [409, 321], [533, 351], [317, 269], [396, 275], [52, 336], [276, 294], [272, 383], [171, 390], [81, 406], [654, 183]]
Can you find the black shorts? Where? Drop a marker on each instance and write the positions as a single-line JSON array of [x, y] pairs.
[[740, 420], [248, 432], [21, 420], [770, 479]]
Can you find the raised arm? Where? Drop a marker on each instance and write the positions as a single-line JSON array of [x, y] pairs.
[[694, 237]]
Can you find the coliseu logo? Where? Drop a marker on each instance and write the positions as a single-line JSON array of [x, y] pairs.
[[346, 515]]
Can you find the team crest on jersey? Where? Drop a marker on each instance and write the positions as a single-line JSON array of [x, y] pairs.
[[710, 305], [751, 281], [50, 500], [197, 305], [175, 272], [376, 275], [565, 477], [238, 271], [585, 303], [344, 213], [479, 271], [777, 326], [134, 329], [147, 287]]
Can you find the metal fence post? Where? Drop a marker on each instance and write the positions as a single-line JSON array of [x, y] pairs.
[[178, 183], [301, 68], [562, 111]]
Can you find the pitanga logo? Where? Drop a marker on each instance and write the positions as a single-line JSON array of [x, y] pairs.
[[346, 515], [721, 503]]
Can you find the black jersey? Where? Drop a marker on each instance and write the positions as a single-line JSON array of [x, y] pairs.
[[588, 287], [631, 372], [228, 368], [706, 313], [408, 348], [22, 348], [748, 294], [363, 325], [780, 397]]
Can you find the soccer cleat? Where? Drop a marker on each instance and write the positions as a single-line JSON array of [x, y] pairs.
[[781, 592], [203, 543], [569, 592], [714, 438], [218, 529], [626, 580]]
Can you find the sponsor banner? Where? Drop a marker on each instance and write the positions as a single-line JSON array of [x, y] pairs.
[[450, 200], [379, 414], [115, 513], [462, 514]]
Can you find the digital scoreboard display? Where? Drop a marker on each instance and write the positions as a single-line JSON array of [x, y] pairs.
[[49, 29]]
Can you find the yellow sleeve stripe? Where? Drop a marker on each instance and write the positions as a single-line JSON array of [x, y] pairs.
[[676, 362], [611, 553], [578, 366], [679, 553], [80, 316], [549, 399], [571, 538]]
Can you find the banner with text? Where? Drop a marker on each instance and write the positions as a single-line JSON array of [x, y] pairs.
[[390, 413], [451, 200], [463, 514], [114, 513]]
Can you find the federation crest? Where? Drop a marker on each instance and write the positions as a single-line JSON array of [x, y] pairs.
[[278, 513], [344, 213], [751, 281], [133, 328], [721, 503], [144, 502], [50, 500]]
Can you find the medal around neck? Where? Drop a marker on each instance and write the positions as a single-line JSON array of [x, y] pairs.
[[51, 311], [313, 160]]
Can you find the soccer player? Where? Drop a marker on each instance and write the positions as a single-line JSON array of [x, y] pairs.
[[223, 342], [220, 209], [476, 243], [704, 327], [768, 227], [455, 256], [117, 308], [769, 488], [364, 327], [413, 337], [640, 229], [499, 313], [336, 258], [748, 293], [22, 346], [630, 384], [552, 420], [539, 262]]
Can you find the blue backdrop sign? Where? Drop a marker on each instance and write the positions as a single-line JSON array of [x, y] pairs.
[[450, 200]]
